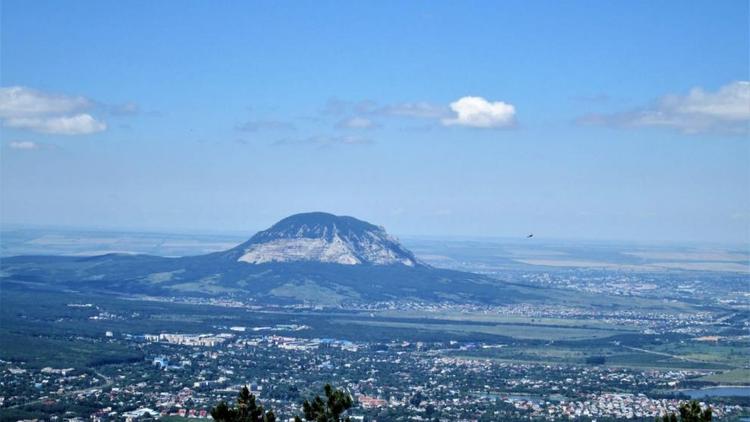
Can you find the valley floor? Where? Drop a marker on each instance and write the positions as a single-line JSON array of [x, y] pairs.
[[65, 353]]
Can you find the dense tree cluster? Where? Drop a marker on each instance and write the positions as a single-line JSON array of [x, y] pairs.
[[316, 410], [689, 412]]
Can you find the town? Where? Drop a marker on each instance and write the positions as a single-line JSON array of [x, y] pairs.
[[185, 375]]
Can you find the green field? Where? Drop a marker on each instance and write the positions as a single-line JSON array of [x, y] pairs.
[[733, 377]]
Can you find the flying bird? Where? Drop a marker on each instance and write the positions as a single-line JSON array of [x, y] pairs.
[[530, 235]]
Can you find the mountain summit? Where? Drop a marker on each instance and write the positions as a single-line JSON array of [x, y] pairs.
[[326, 238]]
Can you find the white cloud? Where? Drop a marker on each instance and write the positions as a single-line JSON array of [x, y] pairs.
[[726, 110], [80, 124], [480, 113], [26, 108], [18, 101], [730, 102], [356, 123], [26, 145]]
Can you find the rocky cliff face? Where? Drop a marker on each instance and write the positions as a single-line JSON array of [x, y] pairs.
[[326, 238]]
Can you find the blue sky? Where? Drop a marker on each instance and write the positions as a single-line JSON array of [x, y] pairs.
[[596, 120]]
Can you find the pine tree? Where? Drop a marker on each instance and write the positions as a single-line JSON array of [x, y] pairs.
[[689, 412], [246, 410], [330, 410]]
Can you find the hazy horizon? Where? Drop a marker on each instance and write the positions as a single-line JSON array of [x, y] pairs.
[[456, 252], [246, 233]]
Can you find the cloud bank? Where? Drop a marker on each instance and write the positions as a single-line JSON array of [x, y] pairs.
[[469, 111], [420, 110], [79, 124], [726, 110], [356, 122], [26, 108]]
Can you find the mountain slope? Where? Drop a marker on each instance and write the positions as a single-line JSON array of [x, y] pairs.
[[322, 237], [312, 258]]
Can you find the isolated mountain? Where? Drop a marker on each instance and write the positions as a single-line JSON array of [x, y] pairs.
[[323, 237], [313, 258]]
